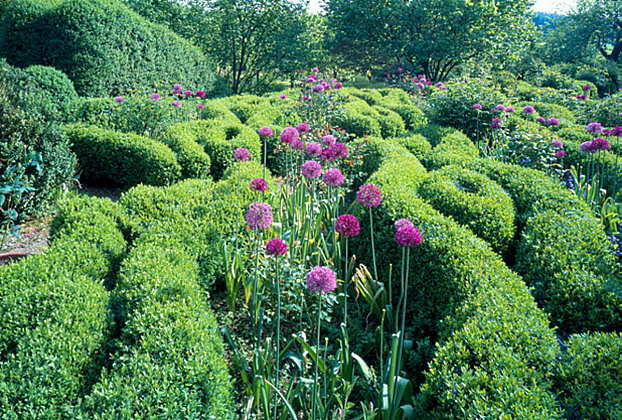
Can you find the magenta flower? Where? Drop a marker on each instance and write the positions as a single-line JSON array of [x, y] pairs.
[[259, 216], [369, 195], [616, 132], [588, 147], [333, 177], [241, 154], [594, 127], [558, 144], [298, 144], [541, 120], [265, 132], [529, 110], [477, 106], [177, 89], [499, 107], [601, 144], [402, 223], [560, 154], [318, 88], [289, 134], [313, 149], [496, 123], [338, 85], [420, 85], [321, 280], [119, 99], [606, 132], [188, 93], [259, 184], [582, 97], [176, 104], [340, 150], [303, 128], [311, 169], [306, 98], [440, 84], [200, 106], [329, 140], [283, 96], [315, 70], [587, 88], [510, 109], [155, 96], [408, 236], [348, 225], [276, 247], [553, 121], [201, 94]]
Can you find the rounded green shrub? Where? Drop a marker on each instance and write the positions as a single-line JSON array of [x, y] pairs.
[[473, 200], [112, 158], [359, 119], [391, 124], [588, 377], [453, 149], [103, 46], [194, 162], [416, 144]]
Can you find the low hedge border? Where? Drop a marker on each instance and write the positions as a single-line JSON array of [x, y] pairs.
[[194, 162], [454, 148]]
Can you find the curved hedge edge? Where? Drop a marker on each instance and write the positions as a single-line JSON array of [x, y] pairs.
[[171, 357], [195, 163], [55, 320], [452, 149]]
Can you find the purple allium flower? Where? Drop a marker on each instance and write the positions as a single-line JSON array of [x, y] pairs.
[[558, 144], [606, 132], [553, 121], [259, 184], [298, 144], [311, 169], [315, 70], [177, 89], [601, 144], [408, 236], [303, 128], [276, 247], [338, 85], [306, 98], [200, 106], [201, 94], [440, 84], [265, 132], [313, 149], [500, 107], [188, 93], [333, 177], [528, 110], [541, 120], [510, 109], [616, 132], [289, 134], [588, 147], [369, 195], [496, 123], [594, 127], [477, 106], [321, 280], [259, 216], [155, 96], [119, 99], [241, 154], [283, 96], [402, 223], [176, 104], [399, 69], [560, 154], [587, 88], [420, 85], [348, 225], [329, 140], [582, 97], [319, 88]]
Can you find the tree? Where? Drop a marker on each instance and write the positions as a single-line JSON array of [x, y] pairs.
[[435, 36]]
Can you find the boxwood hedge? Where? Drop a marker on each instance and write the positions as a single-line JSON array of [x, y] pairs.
[[452, 149]]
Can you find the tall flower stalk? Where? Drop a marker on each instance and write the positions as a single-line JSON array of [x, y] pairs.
[[370, 196]]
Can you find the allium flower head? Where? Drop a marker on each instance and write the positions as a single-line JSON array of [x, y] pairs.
[[176, 104], [348, 225], [594, 127], [408, 236], [306, 98], [276, 246], [338, 85], [541, 120], [200, 106], [289, 134], [283, 96], [265, 132], [333, 177], [259, 216], [241, 154], [119, 99], [440, 84], [529, 110], [499, 107], [298, 144], [155, 96], [321, 280], [553, 121], [420, 85], [369, 195], [402, 223], [601, 144], [303, 128], [560, 154], [313, 149], [616, 132], [582, 97], [315, 70], [319, 88], [558, 144], [177, 89], [588, 147], [259, 184], [188, 93], [477, 106], [329, 140], [587, 88], [495, 123], [510, 109], [201, 94], [311, 169]]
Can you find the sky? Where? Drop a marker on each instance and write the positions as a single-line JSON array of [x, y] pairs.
[[549, 6]]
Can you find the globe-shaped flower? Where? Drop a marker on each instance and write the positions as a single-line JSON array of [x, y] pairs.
[[259, 216], [529, 110], [587, 88], [440, 84], [329, 140], [594, 127], [408, 236], [241, 154], [541, 120], [315, 70], [298, 144], [306, 98], [616, 132], [510, 109], [276, 247], [289, 134], [155, 96], [200, 106], [348, 225], [259, 184], [477, 106], [499, 107], [340, 150], [601, 144], [313, 149], [119, 99], [176, 104], [558, 144], [303, 128], [283, 96], [553, 121], [201, 94], [402, 223], [333, 177], [321, 280], [338, 85], [311, 169], [582, 97], [588, 147], [369, 195], [265, 132], [177, 89], [188, 93], [496, 123], [560, 154]]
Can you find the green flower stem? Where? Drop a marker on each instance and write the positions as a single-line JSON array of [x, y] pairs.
[[317, 359], [373, 246]]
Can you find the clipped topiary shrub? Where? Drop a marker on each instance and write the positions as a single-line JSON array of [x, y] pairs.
[[112, 158], [359, 119], [416, 144], [391, 124], [588, 377], [472, 200], [195, 163], [102, 45], [453, 149]]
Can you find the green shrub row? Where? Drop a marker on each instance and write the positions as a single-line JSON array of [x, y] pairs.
[[120, 159], [453, 148], [495, 350], [54, 320], [170, 359], [474, 201], [102, 45]]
